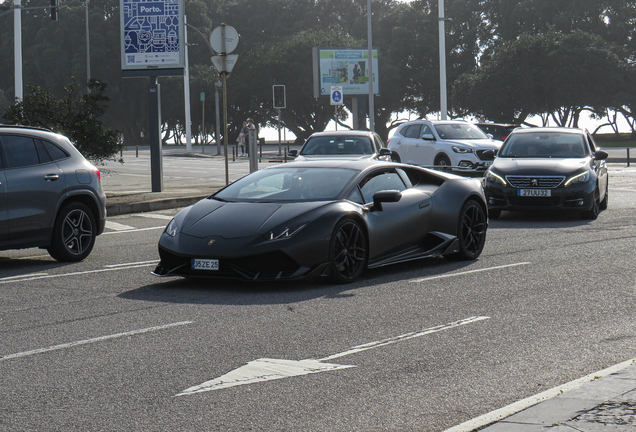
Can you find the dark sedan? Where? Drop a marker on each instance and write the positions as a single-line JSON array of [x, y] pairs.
[[325, 218], [548, 168]]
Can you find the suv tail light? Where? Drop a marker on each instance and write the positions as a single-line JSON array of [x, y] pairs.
[[98, 174]]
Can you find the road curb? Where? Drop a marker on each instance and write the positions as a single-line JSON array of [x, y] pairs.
[[116, 209]]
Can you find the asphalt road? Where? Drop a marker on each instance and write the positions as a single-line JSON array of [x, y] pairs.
[[102, 345]]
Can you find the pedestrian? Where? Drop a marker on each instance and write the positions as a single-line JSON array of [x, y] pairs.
[[242, 137]]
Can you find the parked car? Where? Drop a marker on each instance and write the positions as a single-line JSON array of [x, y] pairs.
[[498, 131], [548, 168], [50, 196], [325, 218], [350, 144], [452, 145]]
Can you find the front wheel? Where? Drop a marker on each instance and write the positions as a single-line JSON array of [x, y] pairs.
[[443, 163], [347, 252], [471, 231], [593, 212], [73, 234]]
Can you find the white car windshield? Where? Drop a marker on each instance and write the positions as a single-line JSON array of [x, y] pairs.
[[459, 131], [545, 145], [288, 184]]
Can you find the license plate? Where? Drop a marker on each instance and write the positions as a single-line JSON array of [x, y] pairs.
[[534, 192], [205, 264], [487, 164]]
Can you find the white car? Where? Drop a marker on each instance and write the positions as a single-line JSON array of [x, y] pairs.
[[346, 144], [452, 145]]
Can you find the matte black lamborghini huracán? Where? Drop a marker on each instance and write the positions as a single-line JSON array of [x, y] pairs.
[[325, 218]]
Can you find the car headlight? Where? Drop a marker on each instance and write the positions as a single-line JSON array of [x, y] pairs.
[[461, 149], [495, 178], [173, 228], [284, 232], [578, 179]]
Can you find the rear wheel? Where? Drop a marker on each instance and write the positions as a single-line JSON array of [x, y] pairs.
[[73, 234], [348, 251], [471, 231], [443, 163], [603, 205]]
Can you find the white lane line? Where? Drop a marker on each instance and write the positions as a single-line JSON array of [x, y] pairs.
[[154, 216], [131, 264], [468, 272], [134, 230], [518, 406], [8, 278], [403, 337], [118, 227], [90, 341], [111, 268]]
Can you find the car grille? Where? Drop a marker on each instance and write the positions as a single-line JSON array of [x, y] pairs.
[[535, 181]]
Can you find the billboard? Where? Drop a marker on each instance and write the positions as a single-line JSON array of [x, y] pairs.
[[346, 67], [152, 34]]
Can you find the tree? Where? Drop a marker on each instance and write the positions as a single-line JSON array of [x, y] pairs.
[[76, 116]]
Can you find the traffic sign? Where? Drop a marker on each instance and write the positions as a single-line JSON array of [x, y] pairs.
[[336, 95], [224, 39]]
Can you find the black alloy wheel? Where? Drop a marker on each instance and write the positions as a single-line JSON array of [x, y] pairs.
[[348, 251], [73, 234], [593, 212], [443, 163], [471, 231]]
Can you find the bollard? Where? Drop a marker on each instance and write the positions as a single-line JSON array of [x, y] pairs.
[[285, 157], [233, 154], [137, 150], [627, 156]]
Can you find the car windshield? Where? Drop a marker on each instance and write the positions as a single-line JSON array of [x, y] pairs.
[[288, 184], [544, 145], [337, 145], [459, 131]]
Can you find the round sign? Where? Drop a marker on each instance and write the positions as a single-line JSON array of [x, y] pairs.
[[337, 96], [224, 39]]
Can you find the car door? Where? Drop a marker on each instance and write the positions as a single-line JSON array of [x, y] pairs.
[[34, 185], [424, 149], [4, 223], [409, 142], [398, 226]]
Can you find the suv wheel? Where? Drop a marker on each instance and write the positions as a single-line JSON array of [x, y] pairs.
[[73, 234], [443, 163]]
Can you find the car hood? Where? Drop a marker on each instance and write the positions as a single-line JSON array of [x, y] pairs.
[[234, 220], [476, 144], [313, 158], [535, 166]]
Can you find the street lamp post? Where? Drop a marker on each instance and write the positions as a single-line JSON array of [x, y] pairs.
[[370, 55], [88, 53], [17, 48], [442, 63]]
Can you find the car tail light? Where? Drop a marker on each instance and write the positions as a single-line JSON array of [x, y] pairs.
[[98, 174]]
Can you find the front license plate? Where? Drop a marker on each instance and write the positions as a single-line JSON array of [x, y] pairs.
[[534, 192], [205, 264]]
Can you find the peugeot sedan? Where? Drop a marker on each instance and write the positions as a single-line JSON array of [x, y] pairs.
[[547, 169]]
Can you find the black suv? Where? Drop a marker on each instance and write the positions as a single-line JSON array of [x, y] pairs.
[[50, 196]]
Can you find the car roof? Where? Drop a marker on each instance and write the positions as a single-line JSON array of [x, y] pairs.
[[345, 132], [23, 127], [496, 124], [548, 129]]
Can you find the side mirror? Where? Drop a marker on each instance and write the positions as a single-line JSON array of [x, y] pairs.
[[384, 152], [293, 153], [428, 137], [489, 155], [385, 197], [600, 155]]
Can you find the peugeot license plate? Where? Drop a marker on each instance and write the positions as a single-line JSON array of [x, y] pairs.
[[205, 264], [534, 192]]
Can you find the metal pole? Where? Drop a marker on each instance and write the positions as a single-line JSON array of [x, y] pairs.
[[204, 137], [227, 173], [88, 53], [156, 166], [17, 49], [335, 115], [442, 62], [370, 55], [186, 89], [280, 149], [218, 117]]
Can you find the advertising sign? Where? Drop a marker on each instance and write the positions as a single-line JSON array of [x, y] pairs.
[[152, 34], [346, 67]]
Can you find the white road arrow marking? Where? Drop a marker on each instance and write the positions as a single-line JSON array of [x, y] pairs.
[[266, 369]]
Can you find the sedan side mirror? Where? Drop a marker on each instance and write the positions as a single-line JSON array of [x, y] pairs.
[[489, 155], [293, 153], [428, 137], [600, 155], [384, 152], [385, 197]]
